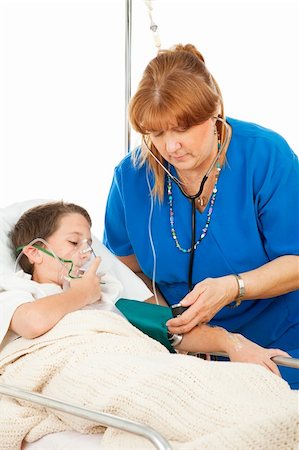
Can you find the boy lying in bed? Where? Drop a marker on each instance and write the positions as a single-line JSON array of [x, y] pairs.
[[53, 242], [97, 359]]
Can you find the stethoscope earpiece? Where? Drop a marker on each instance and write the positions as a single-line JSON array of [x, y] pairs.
[[205, 177]]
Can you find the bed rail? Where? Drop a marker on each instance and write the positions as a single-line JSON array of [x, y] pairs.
[[279, 360], [101, 418]]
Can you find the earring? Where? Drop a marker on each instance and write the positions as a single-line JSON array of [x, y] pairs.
[[215, 129]]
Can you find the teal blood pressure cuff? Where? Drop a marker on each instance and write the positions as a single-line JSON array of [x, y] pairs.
[[147, 317]]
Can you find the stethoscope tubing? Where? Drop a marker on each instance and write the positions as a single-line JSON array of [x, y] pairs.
[[194, 196]]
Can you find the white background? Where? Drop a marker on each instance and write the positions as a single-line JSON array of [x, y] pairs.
[[62, 83]]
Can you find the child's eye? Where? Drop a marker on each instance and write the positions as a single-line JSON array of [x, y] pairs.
[[73, 243]]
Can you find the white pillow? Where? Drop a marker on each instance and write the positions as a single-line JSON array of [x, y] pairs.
[[8, 218], [134, 287]]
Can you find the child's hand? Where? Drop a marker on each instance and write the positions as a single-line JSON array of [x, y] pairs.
[[244, 350], [89, 284]]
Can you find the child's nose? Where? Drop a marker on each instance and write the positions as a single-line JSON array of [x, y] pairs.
[[85, 253]]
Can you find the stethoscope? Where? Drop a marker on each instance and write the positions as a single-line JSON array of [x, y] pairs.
[[195, 196]]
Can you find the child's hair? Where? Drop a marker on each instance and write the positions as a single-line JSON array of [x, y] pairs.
[[41, 222]]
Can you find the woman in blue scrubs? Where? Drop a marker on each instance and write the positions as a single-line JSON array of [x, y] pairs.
[[242, 181]]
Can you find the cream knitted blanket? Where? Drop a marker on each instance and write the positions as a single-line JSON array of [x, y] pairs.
[[98, 360]]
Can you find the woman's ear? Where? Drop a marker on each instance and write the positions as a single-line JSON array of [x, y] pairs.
[[33, 254]]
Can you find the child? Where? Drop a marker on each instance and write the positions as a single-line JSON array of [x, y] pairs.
[[53, 242]]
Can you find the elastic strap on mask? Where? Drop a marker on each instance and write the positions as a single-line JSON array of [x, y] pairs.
[[44, 250]]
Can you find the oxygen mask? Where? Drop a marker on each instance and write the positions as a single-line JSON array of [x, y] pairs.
[[80, 259], [72, 265]]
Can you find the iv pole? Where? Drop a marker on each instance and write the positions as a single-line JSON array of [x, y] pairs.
[[128, 64], [128, 35]]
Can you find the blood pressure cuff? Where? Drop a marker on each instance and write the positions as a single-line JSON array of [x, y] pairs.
[[147, 317]]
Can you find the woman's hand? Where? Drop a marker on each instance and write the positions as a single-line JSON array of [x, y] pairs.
[[240, 349], [205, 300], [89, 284]]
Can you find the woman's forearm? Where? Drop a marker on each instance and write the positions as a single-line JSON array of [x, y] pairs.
[[149, 284], [272, 279]]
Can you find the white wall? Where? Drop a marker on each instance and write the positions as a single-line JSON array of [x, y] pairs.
[[62, 83]]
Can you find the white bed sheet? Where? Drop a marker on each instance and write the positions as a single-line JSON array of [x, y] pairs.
[[67, 440]]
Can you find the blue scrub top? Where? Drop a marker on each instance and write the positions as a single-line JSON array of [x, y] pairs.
[[255, 220]]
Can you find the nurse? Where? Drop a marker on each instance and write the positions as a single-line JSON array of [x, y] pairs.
[[206, 210]]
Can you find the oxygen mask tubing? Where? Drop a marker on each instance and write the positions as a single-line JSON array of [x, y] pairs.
[[72, 266]]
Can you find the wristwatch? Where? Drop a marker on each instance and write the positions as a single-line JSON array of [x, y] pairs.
[[241, 293]]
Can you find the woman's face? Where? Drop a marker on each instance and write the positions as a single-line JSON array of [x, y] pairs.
[[187, 149]]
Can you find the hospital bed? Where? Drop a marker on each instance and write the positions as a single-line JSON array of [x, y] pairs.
[[133, 288]]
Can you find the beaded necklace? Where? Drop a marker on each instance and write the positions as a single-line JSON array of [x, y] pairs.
[[209, 214]]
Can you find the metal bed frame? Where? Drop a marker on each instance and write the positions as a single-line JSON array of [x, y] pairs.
[[279, 360], [101, 418], [110, 420]]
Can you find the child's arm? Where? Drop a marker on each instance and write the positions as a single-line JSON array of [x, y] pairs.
[[35, 318], [206, 339]]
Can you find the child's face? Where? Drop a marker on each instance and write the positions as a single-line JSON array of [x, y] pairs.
[[65, 241]]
